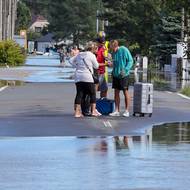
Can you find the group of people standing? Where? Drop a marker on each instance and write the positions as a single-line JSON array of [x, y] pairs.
[[93, 57]]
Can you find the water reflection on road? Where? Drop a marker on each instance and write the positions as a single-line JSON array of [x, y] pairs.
[[159, 159]]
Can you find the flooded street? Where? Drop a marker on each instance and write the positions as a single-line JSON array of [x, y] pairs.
[[49, 70], [94, 95], [159, 159], [43, 68], [39, 69], [154, 159]]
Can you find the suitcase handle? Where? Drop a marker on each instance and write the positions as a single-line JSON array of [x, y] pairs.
[[148, 101]]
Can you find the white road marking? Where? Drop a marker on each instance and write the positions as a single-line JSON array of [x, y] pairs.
[[169, 92], [183, 96], [179, 94], [107, 124], [3, 88]]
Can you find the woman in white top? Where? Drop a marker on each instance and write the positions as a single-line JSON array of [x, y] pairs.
[[84, 63]]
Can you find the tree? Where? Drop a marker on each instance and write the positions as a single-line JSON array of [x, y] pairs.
[[74, 18], [23, 16], [167, 34], [38, 7], [132, 20]]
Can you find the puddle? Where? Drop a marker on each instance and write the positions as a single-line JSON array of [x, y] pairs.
[[172, 134], [159, 159]]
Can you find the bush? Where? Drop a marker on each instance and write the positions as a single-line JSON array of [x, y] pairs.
[[11, 54], [186, 91]]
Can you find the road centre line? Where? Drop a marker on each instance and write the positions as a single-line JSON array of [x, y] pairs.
[[107, 124]]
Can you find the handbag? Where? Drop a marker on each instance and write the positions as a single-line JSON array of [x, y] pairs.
[[94, 75]]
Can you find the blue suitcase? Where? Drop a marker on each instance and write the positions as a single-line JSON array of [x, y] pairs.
[[105, 106]]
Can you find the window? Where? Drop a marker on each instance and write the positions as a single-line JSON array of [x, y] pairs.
[[38, 29]]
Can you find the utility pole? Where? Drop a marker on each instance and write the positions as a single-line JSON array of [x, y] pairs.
[[97, 21], [4, 19], [14, 11], [7, 18], [182, 23], [1, 19]]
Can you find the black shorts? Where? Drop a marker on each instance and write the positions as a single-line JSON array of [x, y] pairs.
[[120, 83]]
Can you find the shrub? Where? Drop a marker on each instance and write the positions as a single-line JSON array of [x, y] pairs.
[[11, 54]]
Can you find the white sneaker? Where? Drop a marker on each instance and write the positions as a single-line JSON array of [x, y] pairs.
[[126, 114], [115, 113]]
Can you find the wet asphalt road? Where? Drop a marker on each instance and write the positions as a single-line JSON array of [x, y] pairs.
[[43, 106], [46, 109], [47, 155]]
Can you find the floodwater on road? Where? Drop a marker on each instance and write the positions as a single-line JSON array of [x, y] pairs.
[[43, 68], [159, 159], [52, 72], [49, 69]]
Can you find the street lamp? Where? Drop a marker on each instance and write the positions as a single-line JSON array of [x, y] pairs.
[[97, 21]]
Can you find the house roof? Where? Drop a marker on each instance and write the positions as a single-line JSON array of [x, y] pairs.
[[47, 38], [38, 18], [39, 21]]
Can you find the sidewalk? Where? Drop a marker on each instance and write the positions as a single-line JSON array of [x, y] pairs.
[[46, 109]]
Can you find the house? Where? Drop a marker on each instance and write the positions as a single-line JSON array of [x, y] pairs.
[[38, 23], [45, 42]]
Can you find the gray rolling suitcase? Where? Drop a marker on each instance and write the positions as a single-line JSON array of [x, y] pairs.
[[143, 99]]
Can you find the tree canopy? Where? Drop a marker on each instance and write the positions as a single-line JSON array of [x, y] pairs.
[[152, 26], [23, 16], [74, 19]]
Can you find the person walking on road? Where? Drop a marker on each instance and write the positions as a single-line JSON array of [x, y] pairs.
[[122, 64], [84, 63]]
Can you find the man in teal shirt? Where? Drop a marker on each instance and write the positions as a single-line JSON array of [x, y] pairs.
[[122, 64]]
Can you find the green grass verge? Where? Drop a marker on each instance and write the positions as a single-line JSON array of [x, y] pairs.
[[186, 91], [2, 83]]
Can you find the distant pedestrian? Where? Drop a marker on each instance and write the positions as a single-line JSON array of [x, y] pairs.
[[61, 56], [122, 63], [84, 63]]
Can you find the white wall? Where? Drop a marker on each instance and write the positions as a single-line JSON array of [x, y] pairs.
[[41, 46], [20, 40], [181, 49]]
